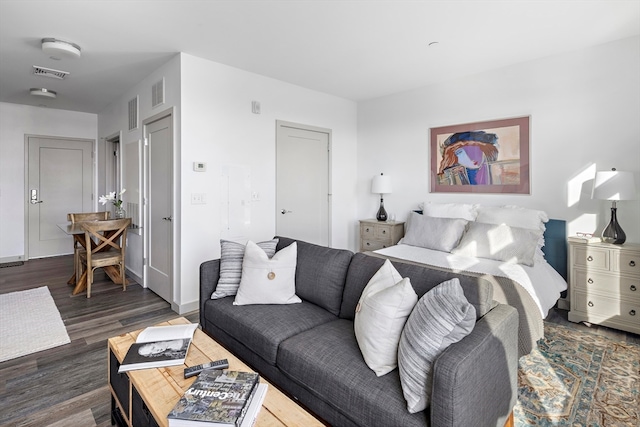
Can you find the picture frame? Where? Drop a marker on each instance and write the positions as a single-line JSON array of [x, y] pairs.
[[481, 157]]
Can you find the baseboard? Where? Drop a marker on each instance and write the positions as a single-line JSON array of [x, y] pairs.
[[135, 277], [564, 304], [186, 308], [12, 259]]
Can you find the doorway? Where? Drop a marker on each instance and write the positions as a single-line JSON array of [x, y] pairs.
[[158, 190], [303, 195], [59, 181]]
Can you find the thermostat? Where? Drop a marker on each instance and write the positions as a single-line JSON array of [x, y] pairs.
[[199, 166]]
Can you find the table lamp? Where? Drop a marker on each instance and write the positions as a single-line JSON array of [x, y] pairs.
[[381, 184], [614, 185]]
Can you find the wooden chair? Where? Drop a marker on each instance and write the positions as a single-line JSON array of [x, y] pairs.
[[110, 239], [79, 217]]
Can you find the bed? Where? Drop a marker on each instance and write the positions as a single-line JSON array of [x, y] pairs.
[[528, 272]]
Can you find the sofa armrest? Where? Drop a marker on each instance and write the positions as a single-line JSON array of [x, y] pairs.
[[475, 380], [209, 275]]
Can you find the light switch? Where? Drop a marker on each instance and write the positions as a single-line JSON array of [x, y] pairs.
[[199, 166]]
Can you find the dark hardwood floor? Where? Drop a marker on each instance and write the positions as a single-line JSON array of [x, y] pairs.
[[67, 385]]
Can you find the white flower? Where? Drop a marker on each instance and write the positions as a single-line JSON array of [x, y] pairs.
[[111, 197]]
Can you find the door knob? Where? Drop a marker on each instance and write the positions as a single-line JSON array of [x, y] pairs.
[[167, 218], [284, 211]]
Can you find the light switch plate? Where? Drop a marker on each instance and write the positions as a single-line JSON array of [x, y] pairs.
[[199, 166]]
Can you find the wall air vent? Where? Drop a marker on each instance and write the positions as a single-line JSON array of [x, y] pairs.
[[133, 113], [157, 93], [48, 72]]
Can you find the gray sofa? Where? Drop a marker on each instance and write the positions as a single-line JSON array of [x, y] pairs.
[[309, 350]]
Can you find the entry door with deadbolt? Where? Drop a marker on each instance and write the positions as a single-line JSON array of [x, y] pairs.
[[159, 269], [60, 181]]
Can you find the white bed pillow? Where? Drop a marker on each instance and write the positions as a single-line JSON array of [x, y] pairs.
[[450, 210], [381, 313], [499, 242], [516, 216], [268, 281], [231, 256], [442, 316], [513, 216], [441, 234]]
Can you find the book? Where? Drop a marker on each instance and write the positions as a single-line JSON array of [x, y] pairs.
[[255, 405], [584, 239], [217, 398], [159, 346]]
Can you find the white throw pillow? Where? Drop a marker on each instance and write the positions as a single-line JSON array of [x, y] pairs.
[[231, 256], [442, 316], [451, 210], [268, 281], [499, 242], [381, 313], [441, 234]]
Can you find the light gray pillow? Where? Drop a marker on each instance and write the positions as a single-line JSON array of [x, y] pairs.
[[441, 234], [231, 257], [442, 316], [500, 242]]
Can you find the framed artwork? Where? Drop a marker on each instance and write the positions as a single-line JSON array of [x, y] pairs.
[[482, 157]]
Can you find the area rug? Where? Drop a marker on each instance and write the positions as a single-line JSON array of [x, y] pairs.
[[29, 322], [577, 378]]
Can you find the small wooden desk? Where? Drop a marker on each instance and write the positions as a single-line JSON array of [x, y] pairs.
[[139, 393], [76, 230]]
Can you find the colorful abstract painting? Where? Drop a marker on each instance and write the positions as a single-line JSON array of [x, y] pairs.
[[483, 157]]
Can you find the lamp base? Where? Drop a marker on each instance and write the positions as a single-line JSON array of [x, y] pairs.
[[613, 233], [382, 214]]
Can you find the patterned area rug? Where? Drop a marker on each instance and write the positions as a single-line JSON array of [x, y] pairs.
[[29, 322], [577, 378]]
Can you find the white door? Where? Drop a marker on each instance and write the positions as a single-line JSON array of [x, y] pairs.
[[159, 197], [60, 181], [302, 183]]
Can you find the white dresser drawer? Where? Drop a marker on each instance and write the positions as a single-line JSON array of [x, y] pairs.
[[607, 284], [629, 263], [610, 309], [588, 257], [372, 245]]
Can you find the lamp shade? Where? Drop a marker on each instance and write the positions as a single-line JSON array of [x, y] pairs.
[[614, 185], [381, 184]]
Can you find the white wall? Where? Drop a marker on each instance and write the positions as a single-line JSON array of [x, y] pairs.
[[219, 128], [584, 108], [16, 121]]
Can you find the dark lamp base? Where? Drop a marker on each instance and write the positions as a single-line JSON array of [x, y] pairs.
[[613, 233]]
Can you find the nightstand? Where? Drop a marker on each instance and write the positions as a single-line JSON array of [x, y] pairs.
[[376, 234], [604, 281]]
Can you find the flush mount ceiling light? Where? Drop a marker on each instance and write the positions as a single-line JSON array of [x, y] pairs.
[[40, 91], [57, 47]]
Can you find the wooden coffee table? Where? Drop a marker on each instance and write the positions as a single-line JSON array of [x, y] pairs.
[[144, 397]]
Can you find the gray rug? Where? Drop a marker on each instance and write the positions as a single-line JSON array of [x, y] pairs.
[[29, 322]]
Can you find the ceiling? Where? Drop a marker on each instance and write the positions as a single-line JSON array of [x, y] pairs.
[[352, 49]]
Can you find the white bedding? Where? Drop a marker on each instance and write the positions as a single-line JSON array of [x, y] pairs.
[[541, 281]]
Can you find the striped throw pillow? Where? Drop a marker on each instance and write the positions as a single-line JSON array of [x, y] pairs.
[[442, 316], [231, 257]]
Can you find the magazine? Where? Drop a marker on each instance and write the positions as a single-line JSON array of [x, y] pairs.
[[159, 346], [217, 398]]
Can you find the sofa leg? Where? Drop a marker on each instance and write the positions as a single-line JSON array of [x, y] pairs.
[[509, 422]]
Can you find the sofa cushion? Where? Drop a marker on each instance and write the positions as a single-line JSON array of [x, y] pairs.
[[320, 274], [381, 314], [478, 291], [327, 360], [442, 317], [268, 280], [263, 327]]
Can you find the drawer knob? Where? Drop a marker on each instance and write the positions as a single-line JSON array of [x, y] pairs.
[[590, 280], [590, 304], [366, 229], [633, 287], [368, 244], [589, 258], [632, 263], [632, 313], [385, 232]]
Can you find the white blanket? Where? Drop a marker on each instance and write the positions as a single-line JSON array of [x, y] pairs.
[[541, 281]]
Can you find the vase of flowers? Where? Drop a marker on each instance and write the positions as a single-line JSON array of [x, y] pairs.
[[117, 202]]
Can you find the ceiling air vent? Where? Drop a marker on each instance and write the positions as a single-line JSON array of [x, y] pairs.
[[48, 72], [157, 93], [133, 113]]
